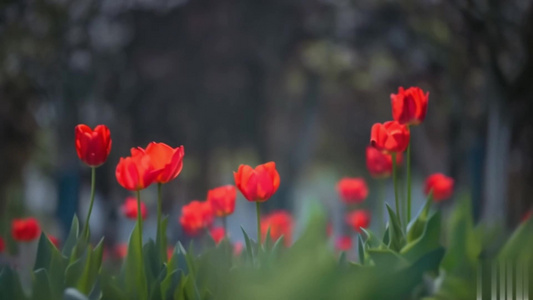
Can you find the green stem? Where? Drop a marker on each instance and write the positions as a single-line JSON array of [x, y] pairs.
[[140, 221], [395, 182], [159, 233], [381, 204], [408, 181], [225, 225], [93, 183], [258, 211]]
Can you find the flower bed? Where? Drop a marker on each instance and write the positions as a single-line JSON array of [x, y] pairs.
[[409, 257]]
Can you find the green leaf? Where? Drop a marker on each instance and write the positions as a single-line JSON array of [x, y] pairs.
[[72, 237], [161, 240], [387, 258], [428, 241], [41, 286], [361, 249], [74, 294], [416, 227], [397, 239], [372, 241], [10, 287], [170, 283], [249, 251], [133, 268], [464, 244], [44, 252], [520, 244]]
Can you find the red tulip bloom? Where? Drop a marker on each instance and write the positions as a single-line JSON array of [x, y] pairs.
[[344, 243], [121, 250], [257, 184], [329, 229], [136, 172], [196, 216], [390, 136], [170, 252], [526, 216], [54, 240], [222, 200], [280, 224], [130, 209], [379, 163], [217, 234], [358, 219], [441, 185], [93, 146], [237, 248], [25, 230], [352, 190], [409, 106], [165, 158], [2, 245]]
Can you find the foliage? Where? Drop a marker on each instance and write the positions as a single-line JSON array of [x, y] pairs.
[[400, 265]]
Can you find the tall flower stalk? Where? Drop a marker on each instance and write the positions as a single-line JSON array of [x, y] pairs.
[[257, 185], [93, 148]]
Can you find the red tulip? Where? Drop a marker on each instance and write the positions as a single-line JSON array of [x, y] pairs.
[[130, 209], [358, 219], [237, 248], [217, 234], [280, 224], [136, 172], [93, 147], [526, 216], [121, 250], [352, 190], [222, 200], [390, 136], [196, 216], [257, 184], [379, 163], [2, 245], [441, 185], [409, 106], [170, 252], [329, 229], [54, 240], [344, 243], [25, 230], [165, 158]]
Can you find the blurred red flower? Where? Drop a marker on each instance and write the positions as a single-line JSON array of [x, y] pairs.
[[358, 219], [25, 230], [527, 215], [409, 106], [2, 245], [136, 172], [280, 224], [441, 185], [121, 250], [222, 200], [237, 248], [390, 136], [352, 190], [54, 240], [217, 233], [92, 146], [129, 209], [166, 159], [196, 216], [379, 163], [343, 243], [257, 184]]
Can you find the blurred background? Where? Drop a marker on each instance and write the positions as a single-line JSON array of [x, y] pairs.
[[299, 82]]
